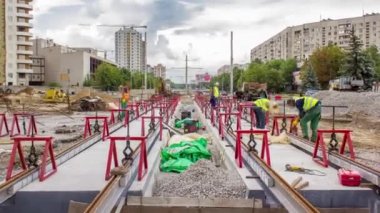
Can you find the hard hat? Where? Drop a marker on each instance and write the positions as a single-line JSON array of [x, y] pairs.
[[217, 84]]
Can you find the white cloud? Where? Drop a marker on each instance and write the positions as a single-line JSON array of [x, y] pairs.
[[41, 7], [199, 27]]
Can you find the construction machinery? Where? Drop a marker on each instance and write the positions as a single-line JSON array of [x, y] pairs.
[[55, 95], [252, 91], [346, 83]]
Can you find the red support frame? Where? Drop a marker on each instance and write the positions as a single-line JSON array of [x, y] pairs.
[[321, 144], [275, 125], [15, 124], [130, 107], [112, 155], [48, 150], [265, 153], [249, 106], [126, 117], [221, 123], [3, 122], [87, 126], [159, 118]]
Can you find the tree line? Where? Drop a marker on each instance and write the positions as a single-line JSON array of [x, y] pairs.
[[325, 64], [108, 78]]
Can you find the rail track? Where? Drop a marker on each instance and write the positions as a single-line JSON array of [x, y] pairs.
[[10, 187], [290, 198]]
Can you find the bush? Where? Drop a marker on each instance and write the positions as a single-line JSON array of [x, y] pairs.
[[53, 84]]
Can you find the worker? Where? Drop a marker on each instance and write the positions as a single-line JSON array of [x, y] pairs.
[[261, 107], [309, 109], [214, 100], [124, 98]]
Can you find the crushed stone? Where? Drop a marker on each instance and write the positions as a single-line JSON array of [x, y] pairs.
[[201, 180]]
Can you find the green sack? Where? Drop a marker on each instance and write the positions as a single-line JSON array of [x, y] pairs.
[[179, 123], [192, 151], [176, 165]]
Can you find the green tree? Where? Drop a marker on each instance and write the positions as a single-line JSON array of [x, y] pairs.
[[374, 55], [358, 64], [108, 77], [309, 77], [326, 62]]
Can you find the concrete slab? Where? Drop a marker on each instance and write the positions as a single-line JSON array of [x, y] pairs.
[[323, 191], [86, 171]]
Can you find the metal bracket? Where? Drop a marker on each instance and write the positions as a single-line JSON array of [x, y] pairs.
[[333, 144], [127, 152], [32, 157], [252, 143]]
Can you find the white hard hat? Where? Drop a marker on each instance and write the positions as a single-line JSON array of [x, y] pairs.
[[217, 83]]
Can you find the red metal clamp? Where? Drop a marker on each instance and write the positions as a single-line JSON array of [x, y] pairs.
[[48, 150]]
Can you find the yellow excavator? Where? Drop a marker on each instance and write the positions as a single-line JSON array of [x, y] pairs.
[[55, 95]]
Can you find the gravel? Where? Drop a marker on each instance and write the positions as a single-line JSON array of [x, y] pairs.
[[201, 180], [359, 103]]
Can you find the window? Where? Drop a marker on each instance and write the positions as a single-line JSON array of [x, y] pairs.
[[21, 75], [10, 18]]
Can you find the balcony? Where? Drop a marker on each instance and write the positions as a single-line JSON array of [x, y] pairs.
[[21, 33], [25, 52], [24, 24], [24, 6], [24, 15], [25, 70], [24, 61], [25, 43]]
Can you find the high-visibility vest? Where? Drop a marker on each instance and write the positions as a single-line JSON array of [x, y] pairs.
[[263, 103], [308, 103], [216, 92]]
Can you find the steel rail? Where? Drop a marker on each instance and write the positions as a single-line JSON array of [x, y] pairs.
[[8, 188], [106, 199], [290, 198], [336, 159]]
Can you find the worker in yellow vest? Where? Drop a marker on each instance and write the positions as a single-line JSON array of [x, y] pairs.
[[214, 99], [261, 107], [309, 111], [124, 98]]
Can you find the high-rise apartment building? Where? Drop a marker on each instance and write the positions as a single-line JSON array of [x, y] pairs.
[[300, 41], [18, 64], [130, 49], [159, 71], [2, 42]]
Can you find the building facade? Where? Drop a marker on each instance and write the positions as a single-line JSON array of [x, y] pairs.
[[159, 71], [300, 41], [2, 42], [18, 64], [226, 68], [64, 64], [130, 49]]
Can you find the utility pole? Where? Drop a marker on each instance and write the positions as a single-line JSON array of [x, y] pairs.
[[231, 67], [187, 88], [68, 90], [145, 65]]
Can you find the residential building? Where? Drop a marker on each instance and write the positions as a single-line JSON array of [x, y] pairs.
[[17, 38], [64, 64], [38, 75], [130, 49], [226, 68], [149, 69], [2, 42], [159, 71], [300, 41]]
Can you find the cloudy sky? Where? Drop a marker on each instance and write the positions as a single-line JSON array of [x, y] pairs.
[[199, 28]]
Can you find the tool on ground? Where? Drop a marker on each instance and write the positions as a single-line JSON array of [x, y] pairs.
[[349, 177], [301, 170]]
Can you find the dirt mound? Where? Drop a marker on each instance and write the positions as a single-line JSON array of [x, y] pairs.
[[88, 92], [27, 90], [364, 104]]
